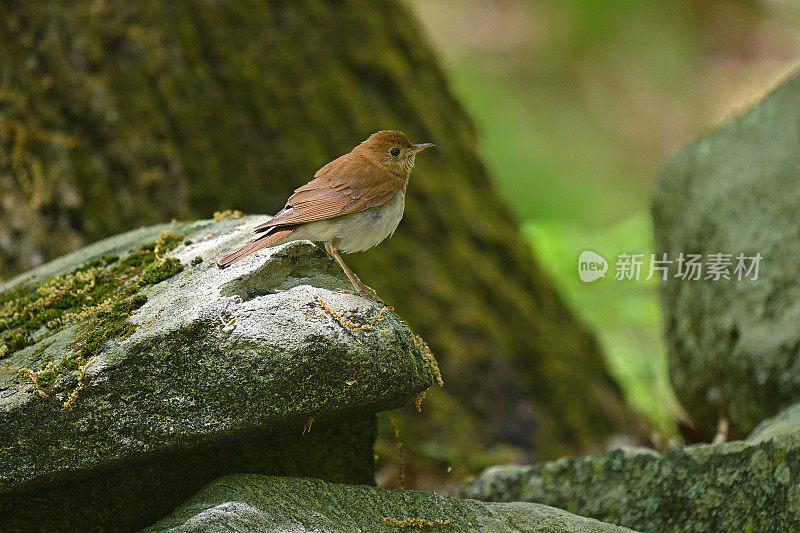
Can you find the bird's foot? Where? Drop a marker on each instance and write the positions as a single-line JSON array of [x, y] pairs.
[[364, 290]]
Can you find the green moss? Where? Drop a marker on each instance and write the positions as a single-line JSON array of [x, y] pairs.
[[141, 257], [17, 341], [197, 260], [99, 262], [131, 304], [159, 271], [99, 294], [167, 241], [44, 379]]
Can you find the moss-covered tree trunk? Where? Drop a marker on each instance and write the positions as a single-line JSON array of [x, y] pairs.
[[115, 114]]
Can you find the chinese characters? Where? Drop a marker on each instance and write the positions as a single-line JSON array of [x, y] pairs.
[[690, 267]]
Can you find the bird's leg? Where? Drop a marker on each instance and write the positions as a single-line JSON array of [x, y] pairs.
[[360, 287]]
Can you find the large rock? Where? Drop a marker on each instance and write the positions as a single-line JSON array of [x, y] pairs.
[[128, 113], [734, 346], [738, 486], [245, 503], [111, 418]]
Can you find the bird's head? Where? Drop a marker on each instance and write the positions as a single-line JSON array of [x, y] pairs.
[[393, 150]]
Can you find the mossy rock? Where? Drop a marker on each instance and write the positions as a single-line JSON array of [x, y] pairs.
[[127, 113], [188, 372], [733, 345], [737, 486], [261, 503]]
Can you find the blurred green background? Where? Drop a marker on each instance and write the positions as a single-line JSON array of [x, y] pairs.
[[578, 104]]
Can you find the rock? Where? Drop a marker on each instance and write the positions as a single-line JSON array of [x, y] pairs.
[[120, 408], [737, 486], [261, 503], [784, 423], [733, 345]]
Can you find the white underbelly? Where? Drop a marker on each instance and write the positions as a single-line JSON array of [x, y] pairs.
[[357, 231]]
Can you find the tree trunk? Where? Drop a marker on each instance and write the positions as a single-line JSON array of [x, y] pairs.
[[115, 114]]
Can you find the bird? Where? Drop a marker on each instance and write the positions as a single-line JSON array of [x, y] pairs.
[[353, 203]]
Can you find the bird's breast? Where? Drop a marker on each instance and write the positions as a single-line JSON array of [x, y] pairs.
[[357, 231], [368, 228]]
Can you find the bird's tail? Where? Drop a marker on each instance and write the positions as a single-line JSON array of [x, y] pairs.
[[254, 246]]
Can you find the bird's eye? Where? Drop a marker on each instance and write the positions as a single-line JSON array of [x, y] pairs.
[[395, 151]]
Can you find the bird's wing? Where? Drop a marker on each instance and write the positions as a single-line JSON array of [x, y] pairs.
[[345, 185]]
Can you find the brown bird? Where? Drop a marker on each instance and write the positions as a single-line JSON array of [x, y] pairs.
[[352, 204]]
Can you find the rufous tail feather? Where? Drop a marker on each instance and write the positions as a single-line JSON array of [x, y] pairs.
[[254, 246]]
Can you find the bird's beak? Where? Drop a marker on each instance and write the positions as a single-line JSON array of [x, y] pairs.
[[419, 147]]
